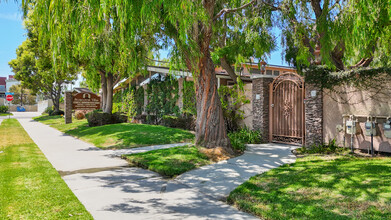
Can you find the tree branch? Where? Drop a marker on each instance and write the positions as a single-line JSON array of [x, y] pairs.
[[226, 10], [228, 68]]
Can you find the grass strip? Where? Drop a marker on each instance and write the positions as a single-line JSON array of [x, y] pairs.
[[30, 187], [169, 162]]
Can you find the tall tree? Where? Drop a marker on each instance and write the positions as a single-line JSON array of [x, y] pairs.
[[191, 29], [34, 66], [347, 33], [91, 35], [228, 29]]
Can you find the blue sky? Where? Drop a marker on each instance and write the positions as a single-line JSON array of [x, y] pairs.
[[13, 34]]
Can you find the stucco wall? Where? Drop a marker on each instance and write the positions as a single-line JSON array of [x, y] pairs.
[[351, 101], [247, 108]]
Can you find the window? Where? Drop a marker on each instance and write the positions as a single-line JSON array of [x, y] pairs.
[[255, 71], [276, 72], [269, 72]]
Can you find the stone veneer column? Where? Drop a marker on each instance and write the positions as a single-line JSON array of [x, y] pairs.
[[260, 101], [313, 116], [68, 107]]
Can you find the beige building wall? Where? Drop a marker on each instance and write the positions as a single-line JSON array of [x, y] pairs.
[[352, 101], [247, 108]]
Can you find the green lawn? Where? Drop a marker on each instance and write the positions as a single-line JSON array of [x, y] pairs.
[[30, 188], [333, 187], [119, 136], [5, 114], [169, 162]]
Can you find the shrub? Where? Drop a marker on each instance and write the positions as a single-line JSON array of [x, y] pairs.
[[329, 148], [232, 99], [185, 121], [99, 118], [79, 115], [118, 117], [48, 109], [3, 109], [244, 136], [54, 112]]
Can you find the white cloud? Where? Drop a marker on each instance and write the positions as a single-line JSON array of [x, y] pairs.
[[12, 17]]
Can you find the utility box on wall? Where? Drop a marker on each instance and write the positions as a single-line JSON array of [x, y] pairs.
[[370, 128], [387, 128]]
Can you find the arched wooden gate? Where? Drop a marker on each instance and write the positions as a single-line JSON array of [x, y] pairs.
[[287, 122]]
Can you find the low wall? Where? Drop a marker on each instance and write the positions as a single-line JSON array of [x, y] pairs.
[[29, 108], [43, 105], [351, 101]]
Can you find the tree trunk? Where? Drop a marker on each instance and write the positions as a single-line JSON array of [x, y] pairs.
[[109, 93], [210, 127], [103, 86], [21, 95], [56, 102], [229, 69]]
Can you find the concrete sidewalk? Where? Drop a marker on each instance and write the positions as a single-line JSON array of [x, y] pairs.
[[218, 180], [110, 190], [65, 152]]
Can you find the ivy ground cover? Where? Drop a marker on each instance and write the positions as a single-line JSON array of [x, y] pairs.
[[30, 188], [119, 136], [169, 162], [333, 187]]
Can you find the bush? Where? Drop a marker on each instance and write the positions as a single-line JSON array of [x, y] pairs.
[[54, 112], [3, 109], [232, 99], [244, 136], [118, 117], [185, 121], [79, 115], [48, 109], [329, 148], [99, 118]]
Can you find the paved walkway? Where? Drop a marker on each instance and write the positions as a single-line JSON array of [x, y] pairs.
[[111, 190]]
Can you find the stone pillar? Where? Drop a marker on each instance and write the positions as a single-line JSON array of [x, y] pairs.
[[313, 109], [68, 107], [260, 101], [180, 93]]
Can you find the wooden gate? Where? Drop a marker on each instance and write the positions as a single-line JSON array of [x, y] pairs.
[[287, 122]]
